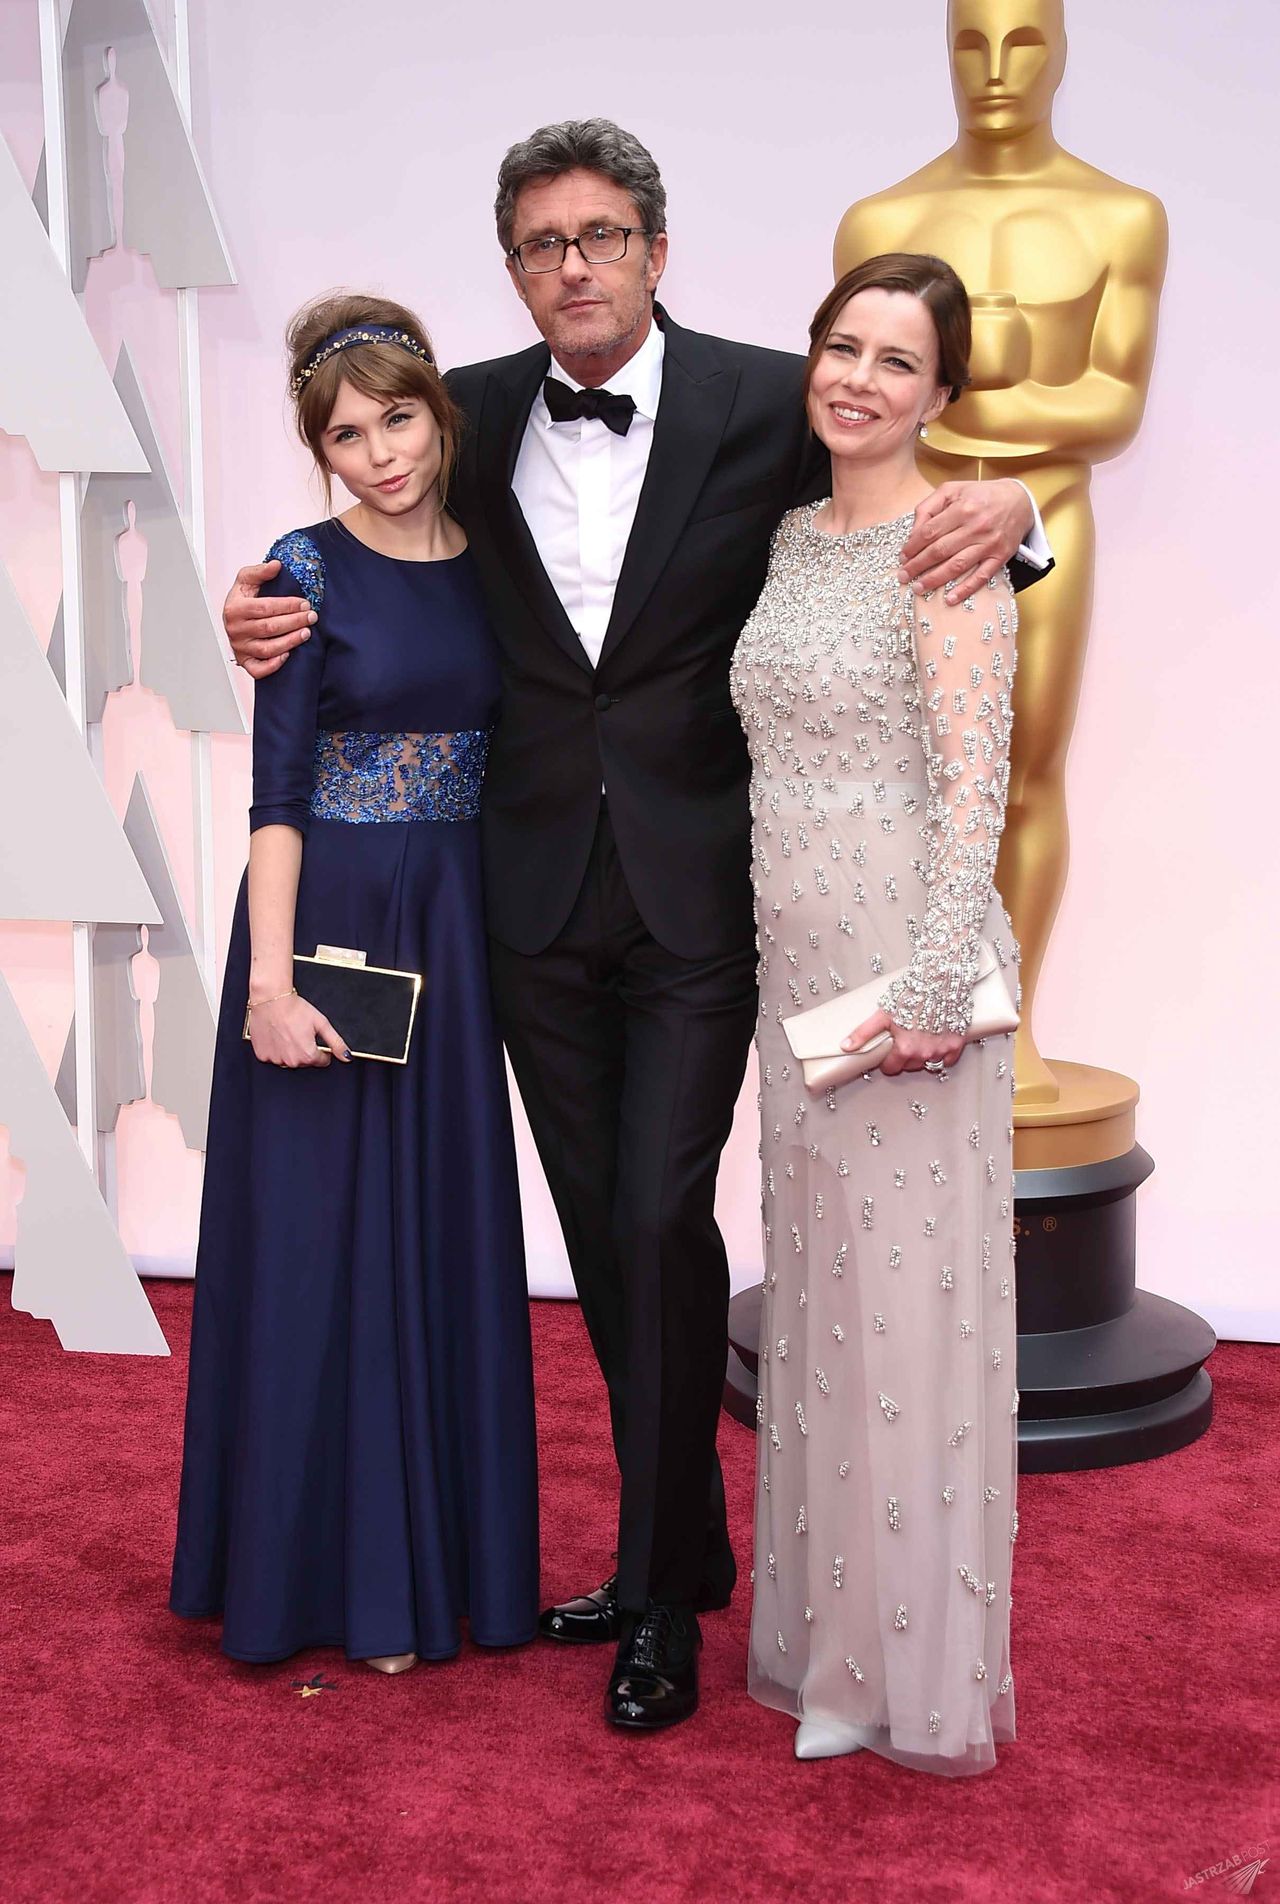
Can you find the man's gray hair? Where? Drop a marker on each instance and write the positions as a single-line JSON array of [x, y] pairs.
[[592, 145]]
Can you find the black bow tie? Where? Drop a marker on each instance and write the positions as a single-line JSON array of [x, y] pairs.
[[565, 405]]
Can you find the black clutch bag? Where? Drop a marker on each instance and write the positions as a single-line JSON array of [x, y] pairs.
[[372, 1006]]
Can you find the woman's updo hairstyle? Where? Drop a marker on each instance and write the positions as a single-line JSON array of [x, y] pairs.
[[377, 370], [928, 278]]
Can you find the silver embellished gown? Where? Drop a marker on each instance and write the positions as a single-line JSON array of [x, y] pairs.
[[885, 1508]]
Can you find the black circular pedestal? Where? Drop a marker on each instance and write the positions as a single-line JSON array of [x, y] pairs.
[[1107, 1373]]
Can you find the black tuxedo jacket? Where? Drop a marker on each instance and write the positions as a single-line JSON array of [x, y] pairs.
[[731, 453], [653, 722]]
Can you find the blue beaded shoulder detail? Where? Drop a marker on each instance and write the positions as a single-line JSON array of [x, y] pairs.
[[365, 777], [299, 554]]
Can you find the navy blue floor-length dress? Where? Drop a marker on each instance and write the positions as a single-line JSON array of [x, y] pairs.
[[359, 1466]]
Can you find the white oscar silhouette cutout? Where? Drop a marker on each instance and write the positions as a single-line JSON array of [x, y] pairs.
[[54, 387], [184, 656], [167, 210]]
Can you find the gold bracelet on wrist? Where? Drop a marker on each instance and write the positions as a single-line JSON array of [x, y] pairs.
[[255, 1003], [250, 1006]]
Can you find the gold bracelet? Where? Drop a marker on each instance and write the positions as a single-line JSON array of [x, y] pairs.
[[252, 1007]]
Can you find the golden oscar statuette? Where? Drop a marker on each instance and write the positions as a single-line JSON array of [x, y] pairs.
[[1064, 267]]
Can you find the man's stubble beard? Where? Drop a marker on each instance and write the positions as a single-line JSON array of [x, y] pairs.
[[575, 345], [620, 335]]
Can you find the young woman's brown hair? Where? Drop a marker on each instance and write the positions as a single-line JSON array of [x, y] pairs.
[[377, 370], [932, 281]]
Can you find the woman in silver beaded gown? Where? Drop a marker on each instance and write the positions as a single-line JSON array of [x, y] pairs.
[[879, 726]]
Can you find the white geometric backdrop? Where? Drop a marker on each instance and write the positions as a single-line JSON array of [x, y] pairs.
[[118, 167]]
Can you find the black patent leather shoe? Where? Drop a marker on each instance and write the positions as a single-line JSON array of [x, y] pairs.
[[594, 1618], [655, 1678], [589, 1620]]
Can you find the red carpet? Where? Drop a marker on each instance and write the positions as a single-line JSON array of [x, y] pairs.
[[138, 1764]]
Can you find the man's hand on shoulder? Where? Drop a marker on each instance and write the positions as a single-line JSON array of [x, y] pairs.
[[963, 533], [261, 632]]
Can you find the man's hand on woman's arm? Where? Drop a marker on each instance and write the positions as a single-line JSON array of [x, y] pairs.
[[963, 533], [261, 633]]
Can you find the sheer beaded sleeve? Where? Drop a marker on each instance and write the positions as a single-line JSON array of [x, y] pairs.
[[965, 657], [286, 702]]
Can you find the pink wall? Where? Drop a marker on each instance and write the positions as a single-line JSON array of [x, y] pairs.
[[360, 148]]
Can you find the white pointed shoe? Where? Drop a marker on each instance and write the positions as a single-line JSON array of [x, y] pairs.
[[826, 1739]]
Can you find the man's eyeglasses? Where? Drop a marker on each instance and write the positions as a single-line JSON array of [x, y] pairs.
[[599, 244]]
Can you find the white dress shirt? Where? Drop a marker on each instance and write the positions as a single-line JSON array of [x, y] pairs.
[[578, 485]]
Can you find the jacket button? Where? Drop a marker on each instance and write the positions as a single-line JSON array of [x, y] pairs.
[[603, 703]]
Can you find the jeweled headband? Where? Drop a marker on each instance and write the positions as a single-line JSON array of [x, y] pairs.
[[359, 334]]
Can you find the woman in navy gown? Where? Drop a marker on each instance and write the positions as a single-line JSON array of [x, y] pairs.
[[359, 1464]]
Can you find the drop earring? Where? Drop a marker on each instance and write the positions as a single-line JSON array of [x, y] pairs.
[[924, 429]]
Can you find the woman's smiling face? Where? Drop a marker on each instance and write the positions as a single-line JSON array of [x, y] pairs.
[[876, 381]]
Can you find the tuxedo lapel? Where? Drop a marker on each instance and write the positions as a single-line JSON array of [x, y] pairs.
[[697, 392], [504, 411]]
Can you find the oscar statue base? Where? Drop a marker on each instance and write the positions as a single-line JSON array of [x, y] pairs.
[[1107, 1373]]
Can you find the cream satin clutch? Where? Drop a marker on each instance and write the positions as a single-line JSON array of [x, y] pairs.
[[815, 1035]]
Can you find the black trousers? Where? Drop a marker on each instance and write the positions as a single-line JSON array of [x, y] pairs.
[[629, 1061]]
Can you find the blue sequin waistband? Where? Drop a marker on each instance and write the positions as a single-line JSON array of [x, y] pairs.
[[363, 777]]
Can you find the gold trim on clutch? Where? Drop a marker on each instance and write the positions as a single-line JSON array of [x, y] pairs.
[[344, 955]]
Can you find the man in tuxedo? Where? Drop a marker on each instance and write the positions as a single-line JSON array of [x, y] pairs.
[[619, 483]]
